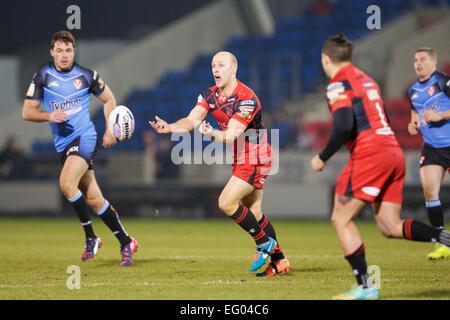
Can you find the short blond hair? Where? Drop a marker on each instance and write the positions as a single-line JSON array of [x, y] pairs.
[[431, 53]]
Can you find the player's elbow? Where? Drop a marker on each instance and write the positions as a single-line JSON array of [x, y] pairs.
[[25, 115]]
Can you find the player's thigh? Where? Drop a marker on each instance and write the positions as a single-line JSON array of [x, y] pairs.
[[254, 202], [73, 170], [345, 209], [235, 190], [431, 177], [387, 216]]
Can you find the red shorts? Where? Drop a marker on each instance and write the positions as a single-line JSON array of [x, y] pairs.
[[252, 174], [378, 176]]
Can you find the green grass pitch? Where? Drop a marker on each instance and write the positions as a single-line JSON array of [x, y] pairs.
[[207, 259]]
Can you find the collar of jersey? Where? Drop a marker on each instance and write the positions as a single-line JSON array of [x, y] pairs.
[[62, 71], [235, 90], [425, 81]]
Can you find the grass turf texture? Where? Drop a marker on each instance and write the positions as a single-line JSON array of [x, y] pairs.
[[206, 259]]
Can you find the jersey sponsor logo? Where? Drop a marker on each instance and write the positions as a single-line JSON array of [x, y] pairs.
[[31, 89], [247, 103], [246, 111], [386, 131], [414, 96], [211, 106], [371, 191], [65, 105], [368, 84], [333, 85], [77, 83], [372, 94], [262, 180], [222, 98], [53, 84], [335, 90], [339, 97]]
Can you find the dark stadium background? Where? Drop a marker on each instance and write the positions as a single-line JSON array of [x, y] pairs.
[[279, 55]]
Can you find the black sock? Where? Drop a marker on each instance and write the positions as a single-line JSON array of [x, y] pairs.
[[79, 204], [435, 213], [358, 263], [418, 231], [111, 219], [246, 219], [270, 231]]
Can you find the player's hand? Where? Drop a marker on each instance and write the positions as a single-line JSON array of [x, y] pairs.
[[160, 125], [432, 116], [206, 129], [413, 128], [58, 116], [317, 164], [108, 140]]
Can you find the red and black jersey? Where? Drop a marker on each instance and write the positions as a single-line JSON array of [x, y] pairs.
[[352, 88], [242, 105]]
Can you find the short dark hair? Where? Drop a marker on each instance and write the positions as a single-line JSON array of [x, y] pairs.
[[338, 48], [428, 50], [64, 36]]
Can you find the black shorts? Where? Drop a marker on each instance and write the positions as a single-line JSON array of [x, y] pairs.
[[435, 156], [85, 149]]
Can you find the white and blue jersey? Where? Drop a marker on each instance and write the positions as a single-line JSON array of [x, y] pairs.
[[432, 94], [69, 91]]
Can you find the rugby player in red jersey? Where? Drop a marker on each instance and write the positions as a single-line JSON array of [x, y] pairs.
[[375, 172], [238, 113]]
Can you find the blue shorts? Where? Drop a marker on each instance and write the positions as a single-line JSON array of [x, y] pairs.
[[84, 147]]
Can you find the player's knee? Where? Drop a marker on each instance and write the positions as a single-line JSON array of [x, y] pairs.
[[95, 202], [430, 192], [226, 206], [386, 232], [392, 229], [338, 221], [68, 187]]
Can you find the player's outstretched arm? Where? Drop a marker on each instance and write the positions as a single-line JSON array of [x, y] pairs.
[[195, 117], [234, 130], [109, 103], [31, 112]]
